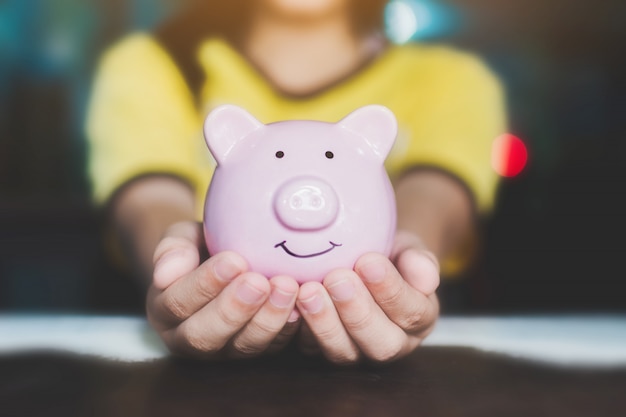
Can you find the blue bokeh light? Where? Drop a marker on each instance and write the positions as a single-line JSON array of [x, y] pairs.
[[411, 20]]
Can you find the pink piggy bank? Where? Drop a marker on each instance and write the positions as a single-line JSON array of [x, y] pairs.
[[300, 198]]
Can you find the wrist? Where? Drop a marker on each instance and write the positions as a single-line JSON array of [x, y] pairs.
[[141, 214]]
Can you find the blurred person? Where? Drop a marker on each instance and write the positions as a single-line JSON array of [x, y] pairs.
[[280, 60]]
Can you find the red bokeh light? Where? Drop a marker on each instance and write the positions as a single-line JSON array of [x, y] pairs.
[[509, 155]]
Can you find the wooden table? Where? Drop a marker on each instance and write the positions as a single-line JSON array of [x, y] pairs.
[[442, 378]]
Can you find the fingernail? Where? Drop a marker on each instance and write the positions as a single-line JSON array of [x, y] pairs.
[[164, 259], [373, 272], [294, 316], [312, 304], [249, 294], [225, 271], [280, 298], [433, 259], [162, 273], [342, 290]]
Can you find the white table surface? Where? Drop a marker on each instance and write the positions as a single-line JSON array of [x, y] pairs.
[[567, 339]]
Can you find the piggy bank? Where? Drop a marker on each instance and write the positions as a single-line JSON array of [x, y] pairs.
[[301, 197]]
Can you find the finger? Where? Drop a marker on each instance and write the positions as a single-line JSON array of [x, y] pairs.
[[378, 337], [209, 330], [270, 325], [420, 269], [177, 253], [416, 263], [410, 309], [322, 319], [195, 290]]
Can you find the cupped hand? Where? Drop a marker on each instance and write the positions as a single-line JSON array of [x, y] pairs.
[[215, 307], [380, 311]]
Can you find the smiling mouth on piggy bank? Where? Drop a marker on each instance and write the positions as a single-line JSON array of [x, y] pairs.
[[310, 255]]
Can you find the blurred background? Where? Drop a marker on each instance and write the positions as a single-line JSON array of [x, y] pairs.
[[555, 243]]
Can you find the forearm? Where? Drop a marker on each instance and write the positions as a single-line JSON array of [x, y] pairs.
[[437, 208], [142, 212]]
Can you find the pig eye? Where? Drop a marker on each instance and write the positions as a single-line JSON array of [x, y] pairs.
[[280, 154], [330, 155]]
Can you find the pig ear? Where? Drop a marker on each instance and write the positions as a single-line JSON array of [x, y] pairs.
[[377, 124], [225, 126]]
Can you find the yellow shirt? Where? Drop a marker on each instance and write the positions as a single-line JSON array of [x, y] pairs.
[[143, 119]]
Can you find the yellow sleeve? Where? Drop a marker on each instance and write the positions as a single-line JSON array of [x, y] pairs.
[[141, 118], [464, 112], [475, 118], [454, 119]]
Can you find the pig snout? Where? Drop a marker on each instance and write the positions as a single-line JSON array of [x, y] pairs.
[[306, 203]]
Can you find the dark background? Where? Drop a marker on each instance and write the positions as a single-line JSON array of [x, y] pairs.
[[554, 243]]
